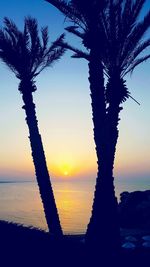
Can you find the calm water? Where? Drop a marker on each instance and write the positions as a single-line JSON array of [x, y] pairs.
[[20, 202]]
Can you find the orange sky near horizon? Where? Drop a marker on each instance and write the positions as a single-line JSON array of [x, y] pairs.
[[63, 107], [68, 137]]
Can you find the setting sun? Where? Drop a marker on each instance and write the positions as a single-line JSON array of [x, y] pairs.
[[64, 167], [65, 173]]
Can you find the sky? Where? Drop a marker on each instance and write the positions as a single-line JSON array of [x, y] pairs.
[[64, 113]]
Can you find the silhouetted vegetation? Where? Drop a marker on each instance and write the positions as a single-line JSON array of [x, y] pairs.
[[113, 37], [24, 246], [111, 32], [134, 209], [26, 54], [87, 17]]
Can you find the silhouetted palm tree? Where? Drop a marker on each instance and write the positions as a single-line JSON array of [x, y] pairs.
[[124, 44], [113, 37], [26, 54], [87, 17]]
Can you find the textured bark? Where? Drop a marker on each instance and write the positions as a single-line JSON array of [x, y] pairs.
[[103, 233], [39, 160]]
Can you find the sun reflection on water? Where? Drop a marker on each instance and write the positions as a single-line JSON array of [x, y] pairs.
[[21, 203]]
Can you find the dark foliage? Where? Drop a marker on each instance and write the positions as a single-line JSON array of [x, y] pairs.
[[134, 209]]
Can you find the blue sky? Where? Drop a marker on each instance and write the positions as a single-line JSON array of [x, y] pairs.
[[64, 112]]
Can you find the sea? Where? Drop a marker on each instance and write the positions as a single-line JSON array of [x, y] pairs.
[[20, 202]]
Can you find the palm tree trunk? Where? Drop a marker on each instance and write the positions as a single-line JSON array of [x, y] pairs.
[[39, 161], [103, 235]]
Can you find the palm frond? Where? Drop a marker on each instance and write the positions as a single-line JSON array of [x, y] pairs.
[[77, 53], [125, 40], [27, 52], [135, 36], [9, 52], [44, 32], [49, 60], [136, 8], [11, 28], [32, 28], [8, 61], [57, 43], [136, 52], [135, 64], [68, 10], [127, 11], [56, 55], [141, 48], [73, 29], [26, 36]]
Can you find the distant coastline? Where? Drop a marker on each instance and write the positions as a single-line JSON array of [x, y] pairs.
[[18, 181]]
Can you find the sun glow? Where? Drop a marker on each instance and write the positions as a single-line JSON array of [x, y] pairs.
[[64, 167], [67, 166], [66, 173]]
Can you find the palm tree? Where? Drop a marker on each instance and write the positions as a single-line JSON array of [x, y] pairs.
[[124, 43], [26, 54], [113, 36], [87, 18]]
